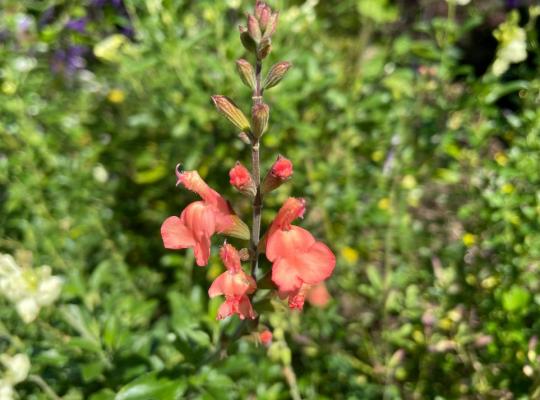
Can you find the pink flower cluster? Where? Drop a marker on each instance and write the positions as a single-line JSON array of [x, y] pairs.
[[300, 263]]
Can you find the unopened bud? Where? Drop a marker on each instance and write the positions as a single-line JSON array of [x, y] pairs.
[[247, 41], [276, 74], [253, 28], [230, 110], [271, 26], [246, 72], [264, 48], [264, 18], [280, 173], [260, 114], [242, 180]]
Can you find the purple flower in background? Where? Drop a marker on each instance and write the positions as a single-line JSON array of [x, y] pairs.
[[103, 3], [24, 23], [512, 3], [78, 24], [69, 60]]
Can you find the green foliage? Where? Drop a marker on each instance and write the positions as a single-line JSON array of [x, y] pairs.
[[422, 176]]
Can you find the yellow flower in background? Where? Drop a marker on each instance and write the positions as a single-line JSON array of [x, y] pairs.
[[469, 239], [116, 96], [349, 254], [501, 158], [507, 188], [384, 203], [408, 182], [377, 155], [9, 88]]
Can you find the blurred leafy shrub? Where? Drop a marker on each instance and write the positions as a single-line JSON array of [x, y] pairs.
[[423, 175]]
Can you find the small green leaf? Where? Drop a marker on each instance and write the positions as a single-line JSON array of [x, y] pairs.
[[152, 387]]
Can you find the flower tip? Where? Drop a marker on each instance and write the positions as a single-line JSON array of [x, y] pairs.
[[282, 168], [179, 173]]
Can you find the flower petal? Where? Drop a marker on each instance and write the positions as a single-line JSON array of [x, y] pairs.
[[317, 264], [175, 234], [285, 243], [285, 275]]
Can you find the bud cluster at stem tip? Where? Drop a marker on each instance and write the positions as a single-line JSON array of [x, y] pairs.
[[257, 37]]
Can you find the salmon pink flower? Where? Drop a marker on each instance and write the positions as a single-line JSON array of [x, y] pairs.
[[297, 257], [318, 295], [242, 180], [234, 284], [201, 219]]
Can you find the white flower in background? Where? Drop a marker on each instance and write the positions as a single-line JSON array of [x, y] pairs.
[[29, 289], [512, 44], [459, 2], [6, 391], [16, 369]]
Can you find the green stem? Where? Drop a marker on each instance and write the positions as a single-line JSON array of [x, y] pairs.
[[38, 380], [256, 173]]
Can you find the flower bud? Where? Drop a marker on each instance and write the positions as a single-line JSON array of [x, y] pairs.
[[253, 28], [246, 72], [242, 180], [262, 13], [276, 74], [247, 41], [264, 48], [260, 114], [271, 25], [230, 110], [280, 172], [264, 18]]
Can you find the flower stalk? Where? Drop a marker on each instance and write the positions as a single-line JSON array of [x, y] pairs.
[[256, 173]]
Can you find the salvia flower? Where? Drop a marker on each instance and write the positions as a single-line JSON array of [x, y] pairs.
[[296, 256], [242, 180], [235, 285], [281, 172], [27, 288], [200, 220]]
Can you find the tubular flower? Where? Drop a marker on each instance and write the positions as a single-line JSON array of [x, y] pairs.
[[201, 219], [297, 257], [235, 285]]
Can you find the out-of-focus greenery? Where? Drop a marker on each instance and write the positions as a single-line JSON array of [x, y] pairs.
[[421, 168]]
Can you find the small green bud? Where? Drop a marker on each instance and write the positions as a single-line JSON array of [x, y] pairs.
[[231, 111], [276, 74], [260, 114], [246, 72], [247, 41]]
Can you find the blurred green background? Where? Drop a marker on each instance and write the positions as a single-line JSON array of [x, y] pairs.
[[414, 128]]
